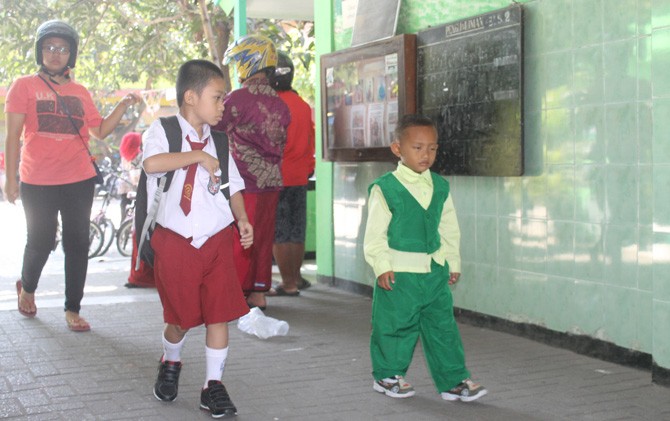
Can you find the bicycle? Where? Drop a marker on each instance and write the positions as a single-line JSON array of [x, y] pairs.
[[104, 224], [124, 236], [101, 229], [95, 238], [101, 221]]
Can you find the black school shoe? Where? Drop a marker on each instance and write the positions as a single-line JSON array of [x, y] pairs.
[[216, 400], [167, 383]]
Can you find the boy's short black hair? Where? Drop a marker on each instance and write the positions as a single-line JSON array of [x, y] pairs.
[[194, 75], [412, 120]]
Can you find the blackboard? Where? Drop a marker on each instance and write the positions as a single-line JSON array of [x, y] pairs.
[[470, 81], [375, 21]]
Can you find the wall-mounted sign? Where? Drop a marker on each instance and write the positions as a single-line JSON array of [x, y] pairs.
[[375, 20], [364, 90]]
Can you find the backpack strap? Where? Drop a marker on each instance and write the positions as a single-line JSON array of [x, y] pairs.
[[150, 221], [222, 152], [173, 134], [145, 220]]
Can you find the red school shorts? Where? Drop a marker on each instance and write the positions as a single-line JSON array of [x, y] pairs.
[[197, 286]]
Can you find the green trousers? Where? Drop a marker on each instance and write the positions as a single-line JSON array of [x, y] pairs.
[[419, 306]]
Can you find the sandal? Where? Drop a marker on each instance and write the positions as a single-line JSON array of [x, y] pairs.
[[304, 284], [256, 296], [77, 324], [279, 291], [262, 308], [28, 314]]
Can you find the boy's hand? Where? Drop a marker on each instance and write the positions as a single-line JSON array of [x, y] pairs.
[[210, 163], [246, 233], [453, 277], [385, 280]]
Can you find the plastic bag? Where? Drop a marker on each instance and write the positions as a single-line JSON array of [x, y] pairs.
[[257, 323]]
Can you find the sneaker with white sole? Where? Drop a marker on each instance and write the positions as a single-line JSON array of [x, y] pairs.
[[395, 387], [167, 383], [216, 400], [466, 391]]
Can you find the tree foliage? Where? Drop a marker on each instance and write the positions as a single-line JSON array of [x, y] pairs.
[[297, 39], [137, 43], [140, 44]]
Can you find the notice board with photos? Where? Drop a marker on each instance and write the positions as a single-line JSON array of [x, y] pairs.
[[470, 81], [364, 90]]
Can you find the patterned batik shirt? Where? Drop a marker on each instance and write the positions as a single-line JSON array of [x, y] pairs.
[[255, 120]]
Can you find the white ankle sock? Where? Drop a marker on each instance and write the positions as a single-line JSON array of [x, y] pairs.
[[216, 362], [172, 352]]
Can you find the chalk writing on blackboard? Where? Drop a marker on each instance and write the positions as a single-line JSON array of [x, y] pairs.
[[470, 81]]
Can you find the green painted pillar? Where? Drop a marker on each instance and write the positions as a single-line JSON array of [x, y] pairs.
[[239, 30], [240, 18], [323, 25]]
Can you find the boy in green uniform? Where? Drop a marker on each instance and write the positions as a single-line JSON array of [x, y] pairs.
[[412, 243]]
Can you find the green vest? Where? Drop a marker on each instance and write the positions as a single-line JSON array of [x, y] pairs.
[[413, 228]]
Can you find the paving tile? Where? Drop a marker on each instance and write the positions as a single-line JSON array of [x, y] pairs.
[[320, 371]]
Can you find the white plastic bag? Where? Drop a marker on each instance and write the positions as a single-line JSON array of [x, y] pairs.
[[257, 323]]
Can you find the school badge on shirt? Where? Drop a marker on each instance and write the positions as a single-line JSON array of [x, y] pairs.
[[213, 186]]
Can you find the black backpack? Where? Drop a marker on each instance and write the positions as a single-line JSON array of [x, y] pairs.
[[144, 230]]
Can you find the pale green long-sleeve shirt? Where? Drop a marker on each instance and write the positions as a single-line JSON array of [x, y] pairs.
[[377, 252]]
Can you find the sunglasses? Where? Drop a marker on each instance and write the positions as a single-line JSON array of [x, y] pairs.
[[56, 50]]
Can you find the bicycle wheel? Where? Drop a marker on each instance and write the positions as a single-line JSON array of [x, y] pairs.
[[96, 238], [109, 230], [124, 238]]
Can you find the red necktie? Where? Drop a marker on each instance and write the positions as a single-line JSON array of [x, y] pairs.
[[187, 191]]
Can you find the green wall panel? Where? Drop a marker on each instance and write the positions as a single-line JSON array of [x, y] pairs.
[[660, 62], [660, 337], [323, 17], [661, 128], [580, 242], [620, 69], [587, 15]]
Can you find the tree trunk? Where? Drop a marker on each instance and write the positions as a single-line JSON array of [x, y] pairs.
[[209, 33], [223, 35]]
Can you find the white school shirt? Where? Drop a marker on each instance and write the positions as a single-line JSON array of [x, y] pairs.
[[209, 213]]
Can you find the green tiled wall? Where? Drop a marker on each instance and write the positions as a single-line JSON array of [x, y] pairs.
[[581, 243]]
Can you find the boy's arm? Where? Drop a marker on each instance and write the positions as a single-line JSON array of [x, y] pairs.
[[450, 236], [375, 243], [240, 214], [164, 162], [156, 158]]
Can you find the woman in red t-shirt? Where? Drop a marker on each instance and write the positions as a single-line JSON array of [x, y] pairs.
[[56, 116]]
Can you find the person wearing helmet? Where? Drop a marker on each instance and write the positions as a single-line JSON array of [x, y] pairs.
[[255, 120], [297, 166], [56, 117]]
